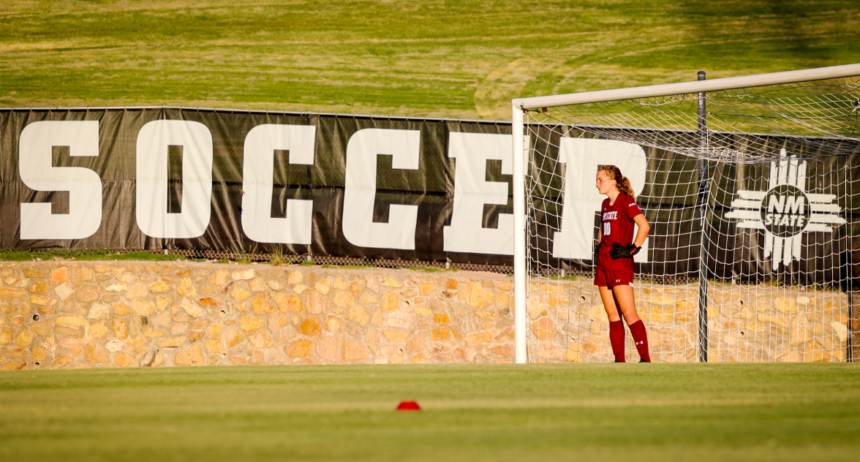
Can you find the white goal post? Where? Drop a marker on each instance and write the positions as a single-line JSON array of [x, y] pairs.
[[816, 118]]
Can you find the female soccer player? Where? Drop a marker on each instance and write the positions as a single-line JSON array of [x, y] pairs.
[[614, 275]]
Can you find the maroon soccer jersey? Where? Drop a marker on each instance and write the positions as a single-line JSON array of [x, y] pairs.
[[616, 223]]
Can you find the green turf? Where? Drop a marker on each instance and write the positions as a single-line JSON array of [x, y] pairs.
[[604, 412], [463, 58]]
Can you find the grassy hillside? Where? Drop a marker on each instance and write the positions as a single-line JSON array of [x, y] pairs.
[[601, 412], [458, 58]]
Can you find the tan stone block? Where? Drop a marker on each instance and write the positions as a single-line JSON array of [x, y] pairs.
[[354, 351], [40, 287], [74, 321], [160, 287], [74, 345], [60, 275], [441, 318], [171, 342], [358, 315], [25, 338], [213, 346], [326, 349], [505, 286], [161, 302], [377, 319], [98, 330], [785, 305], [215, 330], [152, 332], [295, 277], [452, 284], [261, 305], [258, 285], [317, 303], [237, 361], [311, 326], [219, 278], [87, 294], [417, 344], [390, 301], [190, 356], [276, 321], [120, 328], [299, 349], [441, 333], [343, 298], [573, 354], [244, 275], [420, 359], [661, 300], [121, 309], [233, 338], [39, 354], [288, 303], [43, 328], [240, 293], [390, 282], [66, 330], [63, 291], [397, 336], [143, 307], [61, 361], [99, 311], [476, 296], [14, 366], [333, 324], [483, 314], [426, 288], [544, 328], [116, 287], [94, 353], [10, 293], [124, 360], [477, 338], [192, 309], [261, 339], [136, 291], [368, 298], [323, 287], [81, 274], [17, 321], [355, 287], [421, 310], [249, 324]]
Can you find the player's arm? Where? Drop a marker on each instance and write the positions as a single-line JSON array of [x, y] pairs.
[[644, 229]]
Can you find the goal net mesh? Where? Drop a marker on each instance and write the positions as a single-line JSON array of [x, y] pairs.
[[752, 207]]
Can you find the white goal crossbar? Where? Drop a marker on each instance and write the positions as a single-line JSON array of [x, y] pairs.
[[520, 151]]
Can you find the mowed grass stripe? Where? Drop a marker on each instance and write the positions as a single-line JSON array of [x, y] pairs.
[[435, 58], [605, 411]]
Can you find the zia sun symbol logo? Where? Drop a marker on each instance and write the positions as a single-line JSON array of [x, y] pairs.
[[786, 211]]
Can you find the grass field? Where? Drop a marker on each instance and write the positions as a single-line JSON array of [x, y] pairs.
[[463, 58], [607, 412]]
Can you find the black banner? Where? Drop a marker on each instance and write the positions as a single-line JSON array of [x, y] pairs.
[[406, 189]]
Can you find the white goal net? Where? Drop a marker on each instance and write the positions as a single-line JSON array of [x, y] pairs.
[[752, 194]]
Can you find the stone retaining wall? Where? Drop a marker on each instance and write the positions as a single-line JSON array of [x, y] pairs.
[[134, 314], [61, 314]]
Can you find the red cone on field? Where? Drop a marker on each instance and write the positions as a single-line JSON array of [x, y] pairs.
[[408, 406]]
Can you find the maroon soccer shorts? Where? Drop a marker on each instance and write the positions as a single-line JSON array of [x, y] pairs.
[[613, 277]]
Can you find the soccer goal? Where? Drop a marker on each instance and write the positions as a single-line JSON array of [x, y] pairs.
[[751, 186]]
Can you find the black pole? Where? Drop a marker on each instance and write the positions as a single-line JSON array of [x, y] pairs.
[[702, 205]]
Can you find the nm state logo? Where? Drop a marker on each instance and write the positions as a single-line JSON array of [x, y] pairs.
[[785, 211]]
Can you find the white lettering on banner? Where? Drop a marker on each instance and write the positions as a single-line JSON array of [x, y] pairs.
[[84, 185], [152, 162], [582, 157], [361, 155], [472, 192], [258, 175]]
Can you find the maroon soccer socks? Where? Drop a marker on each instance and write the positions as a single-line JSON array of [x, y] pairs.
[[616, 338], [640, 338]]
